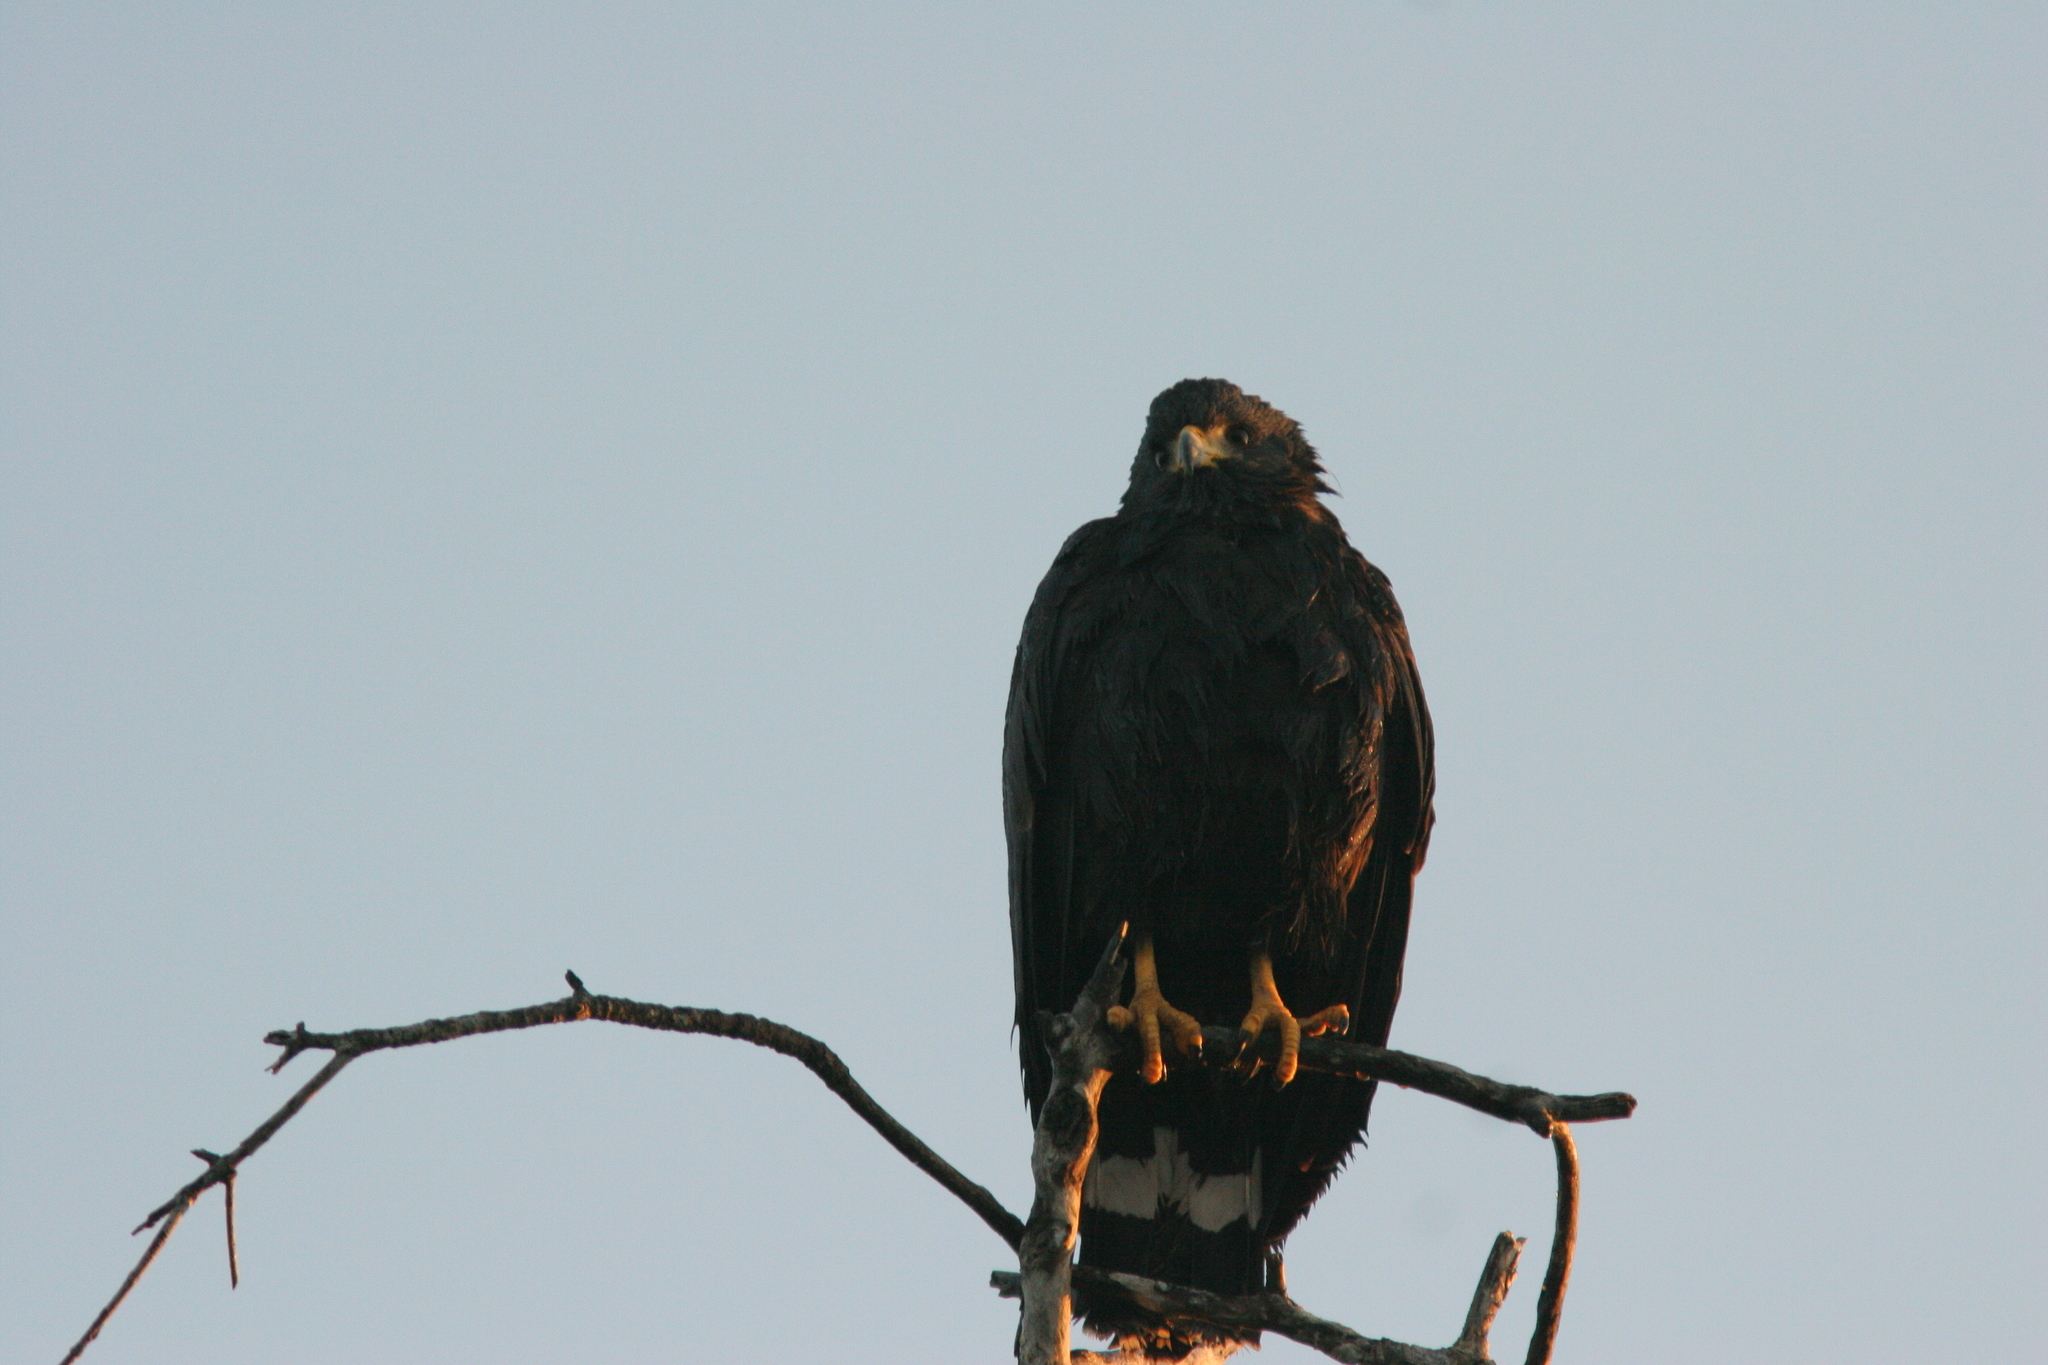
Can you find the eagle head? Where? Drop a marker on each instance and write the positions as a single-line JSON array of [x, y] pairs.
[[1211, 448]]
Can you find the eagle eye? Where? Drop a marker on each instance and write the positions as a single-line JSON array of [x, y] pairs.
[[1238, 436]]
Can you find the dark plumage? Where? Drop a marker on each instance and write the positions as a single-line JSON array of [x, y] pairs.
[[1215, 733]]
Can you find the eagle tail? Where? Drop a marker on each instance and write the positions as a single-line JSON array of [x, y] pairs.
[[1176, 1192]]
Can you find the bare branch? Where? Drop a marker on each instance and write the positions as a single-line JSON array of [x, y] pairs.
[[1537, 1109], [222, 1168], [1082, 1053], [1252, 1313], [225, 1166], [1091, 1052], [821, 1060], [1550, 1302], [580, 1004], [156, 1244], [1491, 1292]]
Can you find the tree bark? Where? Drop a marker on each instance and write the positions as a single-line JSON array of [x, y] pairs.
[[1083, 1053]]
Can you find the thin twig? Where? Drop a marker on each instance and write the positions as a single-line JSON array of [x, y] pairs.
[[222, 1168], [156, 1244], [234, 1261], [227, 1187], [1550, 1303]]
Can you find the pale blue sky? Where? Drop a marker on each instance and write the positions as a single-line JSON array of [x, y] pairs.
[[495, 489]]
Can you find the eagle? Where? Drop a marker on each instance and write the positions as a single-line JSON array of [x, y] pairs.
[[1215, 736]]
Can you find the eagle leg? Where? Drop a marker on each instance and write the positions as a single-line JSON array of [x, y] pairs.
[[1269, 1009], [1148, 1009]]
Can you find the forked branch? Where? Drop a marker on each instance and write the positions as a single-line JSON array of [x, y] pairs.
[[1092, 1052]]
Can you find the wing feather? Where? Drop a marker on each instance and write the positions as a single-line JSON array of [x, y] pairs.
[[1039, 805]]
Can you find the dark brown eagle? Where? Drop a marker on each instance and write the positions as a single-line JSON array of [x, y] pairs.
[[1216, 735]]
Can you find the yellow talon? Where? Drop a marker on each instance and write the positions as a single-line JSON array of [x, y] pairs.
[[1148, 1008], [1268, 1008]]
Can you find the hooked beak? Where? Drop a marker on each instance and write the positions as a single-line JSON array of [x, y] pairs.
[[1197, 449]]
